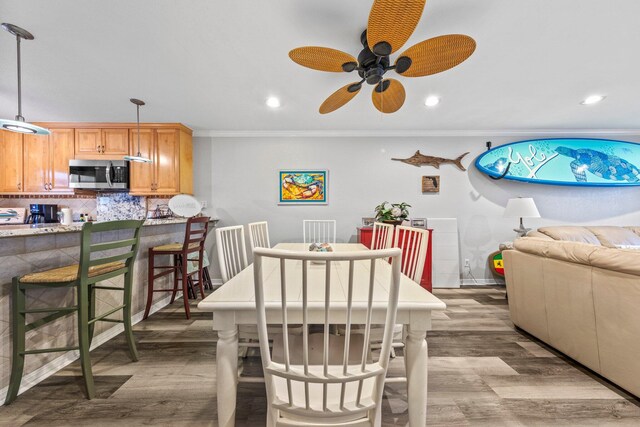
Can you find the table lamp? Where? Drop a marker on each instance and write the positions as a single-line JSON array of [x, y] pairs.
[[522, 207]]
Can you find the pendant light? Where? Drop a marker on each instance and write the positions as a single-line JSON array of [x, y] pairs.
[[19, 125], [138, 157]]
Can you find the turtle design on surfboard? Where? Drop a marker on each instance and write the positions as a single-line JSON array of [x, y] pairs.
[[599, 164]]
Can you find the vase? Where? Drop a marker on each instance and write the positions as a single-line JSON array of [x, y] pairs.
[[393, 221]]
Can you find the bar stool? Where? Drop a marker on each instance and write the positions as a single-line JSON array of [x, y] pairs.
[[181, 253], [84, 277]]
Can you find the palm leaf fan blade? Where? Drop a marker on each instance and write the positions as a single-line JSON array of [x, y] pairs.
[[436, 55], [340, 97], [388, 96], [323, 58], [391, 23]]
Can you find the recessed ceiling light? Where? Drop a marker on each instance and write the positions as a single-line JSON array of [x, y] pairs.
[[431, 101], [273, 102], [593, 99]]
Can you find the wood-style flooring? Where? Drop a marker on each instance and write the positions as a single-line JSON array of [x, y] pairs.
[[482, 372]]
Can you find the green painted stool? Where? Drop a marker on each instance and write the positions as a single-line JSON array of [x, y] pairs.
[[84, 277]]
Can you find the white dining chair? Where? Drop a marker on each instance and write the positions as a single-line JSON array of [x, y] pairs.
[[317, 380], [232, 257], [259, 235], [319, 230], [232, 252], [413, 243], [382, 235]]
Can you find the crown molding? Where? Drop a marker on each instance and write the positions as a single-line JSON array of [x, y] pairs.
[[408, 133]]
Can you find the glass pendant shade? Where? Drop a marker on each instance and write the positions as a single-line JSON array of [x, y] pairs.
[[137, 158]]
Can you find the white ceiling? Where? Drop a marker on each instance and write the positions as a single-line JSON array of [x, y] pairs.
[[211, 64]]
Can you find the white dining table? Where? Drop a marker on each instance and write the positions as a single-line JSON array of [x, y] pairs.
[[233, 304]]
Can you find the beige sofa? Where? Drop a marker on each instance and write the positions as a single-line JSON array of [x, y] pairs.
[[578, 289]]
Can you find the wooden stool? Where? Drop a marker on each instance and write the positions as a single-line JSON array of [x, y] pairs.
[[84, 278], [193, 244]]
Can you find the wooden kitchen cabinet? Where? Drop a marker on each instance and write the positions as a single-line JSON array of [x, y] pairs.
[[36, 163], [46, 161], [61, 150], [10, 162], [94, 144], [142, 175], [171, 170], [39, 164]]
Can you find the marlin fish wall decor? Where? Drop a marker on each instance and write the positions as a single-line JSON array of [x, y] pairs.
[[420, 159]]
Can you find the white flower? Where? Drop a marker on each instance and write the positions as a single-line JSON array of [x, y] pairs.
[[396, 212]]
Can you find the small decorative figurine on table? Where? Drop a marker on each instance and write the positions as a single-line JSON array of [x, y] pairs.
[[320, 247]]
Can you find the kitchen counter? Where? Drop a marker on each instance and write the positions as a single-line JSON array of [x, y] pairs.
[[28, 249], [21, 230]]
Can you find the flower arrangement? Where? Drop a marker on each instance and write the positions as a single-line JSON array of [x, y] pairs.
[[394, 212]]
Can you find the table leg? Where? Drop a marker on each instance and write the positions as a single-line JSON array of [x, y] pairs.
[[416, 359], [227, 376]]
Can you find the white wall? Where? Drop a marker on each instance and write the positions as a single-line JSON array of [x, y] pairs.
[[238, 177]]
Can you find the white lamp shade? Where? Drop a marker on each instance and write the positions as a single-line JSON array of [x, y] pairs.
[[523, 207]]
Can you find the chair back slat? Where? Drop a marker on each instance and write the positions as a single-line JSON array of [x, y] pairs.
[[413, 242], [232, 253], [325, 347], [319, 231], [119, 249], [382, 236], [259, 235], [196, 233], [113, 258], [305, 330], [345, 382]]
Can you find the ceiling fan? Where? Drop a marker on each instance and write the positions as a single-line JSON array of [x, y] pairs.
[[391, 23]]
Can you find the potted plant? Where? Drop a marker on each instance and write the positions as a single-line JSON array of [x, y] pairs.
[[394, 213]]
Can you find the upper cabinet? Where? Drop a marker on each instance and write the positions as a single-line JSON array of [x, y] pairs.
[[39, 164], [61, 150], [170, 171], [46, 161], [101, 143], [10, 162]]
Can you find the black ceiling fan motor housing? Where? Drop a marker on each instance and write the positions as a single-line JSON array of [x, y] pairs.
[[372, 67]]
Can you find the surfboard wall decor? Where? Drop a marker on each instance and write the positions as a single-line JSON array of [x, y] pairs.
[[565, 161]]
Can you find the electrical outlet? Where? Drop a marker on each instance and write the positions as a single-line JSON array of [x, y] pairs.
[[467, 263], [203, 203]]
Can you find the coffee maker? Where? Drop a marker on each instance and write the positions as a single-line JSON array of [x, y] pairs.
[[41, 214]]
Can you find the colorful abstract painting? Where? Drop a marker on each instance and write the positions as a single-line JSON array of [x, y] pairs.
[[303, 187]]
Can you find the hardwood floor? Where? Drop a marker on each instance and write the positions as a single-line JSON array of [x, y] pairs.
[[482, 372]]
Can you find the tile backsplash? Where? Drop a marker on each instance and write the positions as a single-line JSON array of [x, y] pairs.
[[102, 207]]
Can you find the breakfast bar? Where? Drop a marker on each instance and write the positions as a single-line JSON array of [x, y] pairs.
[[32, 248]]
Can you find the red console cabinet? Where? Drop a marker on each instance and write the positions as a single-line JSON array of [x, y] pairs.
[[365, 235]]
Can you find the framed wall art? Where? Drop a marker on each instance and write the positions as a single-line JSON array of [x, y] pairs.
[[368, 221], [431, 184], [419, 222], [303, 187]]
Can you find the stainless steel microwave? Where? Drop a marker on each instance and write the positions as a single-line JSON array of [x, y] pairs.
[[102, 175]]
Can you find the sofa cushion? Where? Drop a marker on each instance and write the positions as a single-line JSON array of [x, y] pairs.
[[538, 235], [570, 233], [562, 250], [612, 236], [622, 260], [633, 228]]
